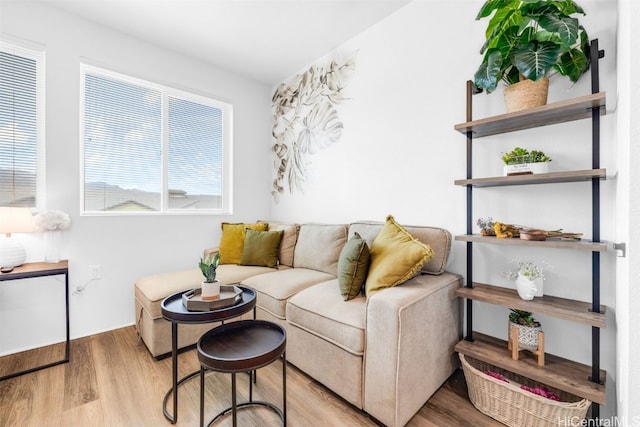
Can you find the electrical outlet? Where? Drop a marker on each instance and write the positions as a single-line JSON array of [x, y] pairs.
[[94, 271]]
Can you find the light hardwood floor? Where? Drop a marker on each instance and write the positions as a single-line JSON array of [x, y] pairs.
[[112, 380]]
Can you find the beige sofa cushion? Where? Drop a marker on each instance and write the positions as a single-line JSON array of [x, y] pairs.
[[151, 290], [438, 238], [275, 288], [319, 247], [321, 311]]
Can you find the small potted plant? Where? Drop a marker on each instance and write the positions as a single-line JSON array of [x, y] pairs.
[[210, 286], [525, 42], [529, 278], [521, 161], [527, 326]]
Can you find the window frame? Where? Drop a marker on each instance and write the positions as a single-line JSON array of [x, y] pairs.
[[166, 91], [37, 53]]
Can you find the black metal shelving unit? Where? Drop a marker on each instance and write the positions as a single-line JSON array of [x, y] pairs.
[[591, 378]]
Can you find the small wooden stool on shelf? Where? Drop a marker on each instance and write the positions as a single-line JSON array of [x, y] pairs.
[[516, 347]]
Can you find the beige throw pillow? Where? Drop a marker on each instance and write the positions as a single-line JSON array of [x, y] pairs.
[[288, 243]]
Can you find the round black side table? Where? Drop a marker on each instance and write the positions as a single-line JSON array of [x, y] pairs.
[[175, 312], [238, 347]]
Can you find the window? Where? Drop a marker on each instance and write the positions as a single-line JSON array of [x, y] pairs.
[[21, 125], [147, 148]]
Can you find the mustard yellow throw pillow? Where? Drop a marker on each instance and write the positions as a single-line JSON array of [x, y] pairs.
[[396, 256], [232, 240]]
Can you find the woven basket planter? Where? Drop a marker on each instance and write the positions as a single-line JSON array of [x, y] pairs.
[[526, 94], [509, 404]]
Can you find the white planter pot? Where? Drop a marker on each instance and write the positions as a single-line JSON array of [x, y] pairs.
[[210, 291], [539, 287], [526, 168], [527, 289], [527, 335]]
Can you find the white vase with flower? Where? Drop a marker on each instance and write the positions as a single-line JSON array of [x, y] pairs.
[[52, 222], [529, 279]]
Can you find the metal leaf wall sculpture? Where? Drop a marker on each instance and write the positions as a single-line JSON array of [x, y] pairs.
[[305, 120]]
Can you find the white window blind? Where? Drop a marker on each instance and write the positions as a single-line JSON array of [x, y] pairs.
[[195, 152], [20, 106], [149, 148]]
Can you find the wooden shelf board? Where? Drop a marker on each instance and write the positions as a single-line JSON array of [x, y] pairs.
[[585, 245], [557, 372], [542, 178], [561, 308], [558, 112]]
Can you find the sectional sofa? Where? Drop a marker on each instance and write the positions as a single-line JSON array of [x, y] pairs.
[[386, 353]]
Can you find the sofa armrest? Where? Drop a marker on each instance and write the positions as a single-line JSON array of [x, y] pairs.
[[410, 334]]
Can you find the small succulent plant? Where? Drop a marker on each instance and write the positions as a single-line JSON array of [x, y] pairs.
[[208, 266], [521, 317]]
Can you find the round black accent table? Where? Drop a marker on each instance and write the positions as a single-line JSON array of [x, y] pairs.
[[239, 347], [175, 312]]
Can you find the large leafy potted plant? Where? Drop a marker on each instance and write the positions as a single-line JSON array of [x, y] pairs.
[[528, 40]]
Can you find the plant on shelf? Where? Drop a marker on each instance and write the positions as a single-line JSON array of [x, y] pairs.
[[528, 327], [522, 161], [208, 267], [522, 317], [528, 269], [522, 155], [529, 278], [531, 39]]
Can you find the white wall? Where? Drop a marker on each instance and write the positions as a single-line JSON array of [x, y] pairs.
[[400, 155], [125, 247], [628, 215]]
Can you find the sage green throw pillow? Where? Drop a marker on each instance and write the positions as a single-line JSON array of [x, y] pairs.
[[353, 266], [261, 248]]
